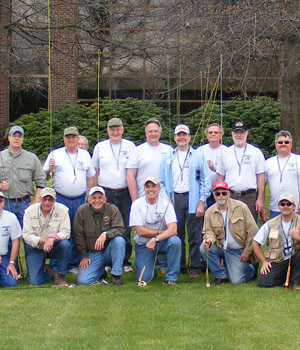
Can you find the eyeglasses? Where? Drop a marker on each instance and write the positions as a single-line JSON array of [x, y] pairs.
[[49, 199], [283, 204], [220, 193], [283, 142], [213, 132], [1, 200]]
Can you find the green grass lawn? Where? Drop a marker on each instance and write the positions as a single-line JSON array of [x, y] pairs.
[[186, 316]]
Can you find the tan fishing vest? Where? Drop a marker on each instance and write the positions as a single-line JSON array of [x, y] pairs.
[[276, 241]]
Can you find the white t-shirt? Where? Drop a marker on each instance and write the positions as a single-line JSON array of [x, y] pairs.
[[146, 159], [263, 233], [214, 155], [9, 228], [240, 165], [181, 172], [151, 216], [111, 159], [289, 167], [71, 171], [230, 242]]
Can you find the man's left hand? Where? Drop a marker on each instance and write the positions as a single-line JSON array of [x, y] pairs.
[[200, 210], [259, 205], [12, 269], [99, 244], [151, 244], [48, 245]]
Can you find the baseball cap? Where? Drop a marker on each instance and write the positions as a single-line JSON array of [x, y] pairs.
[[220, 184], [152, 179], [16, 128], [96, 189], [288, 197], [114, 122], [181, 128], [72, 130], [239, 125], [47, 191]]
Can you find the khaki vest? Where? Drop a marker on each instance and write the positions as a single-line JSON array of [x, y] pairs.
[[275, 246]]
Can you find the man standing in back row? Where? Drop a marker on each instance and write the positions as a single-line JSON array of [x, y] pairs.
[[185, 179], [282, 172], [243, 167], [73, 171], [110, 159]]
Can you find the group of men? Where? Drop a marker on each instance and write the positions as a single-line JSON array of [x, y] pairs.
[[215, 193]]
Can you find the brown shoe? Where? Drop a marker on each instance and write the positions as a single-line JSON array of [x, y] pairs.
[[194, 274], [218, 281], [51, 272], [59, 280]]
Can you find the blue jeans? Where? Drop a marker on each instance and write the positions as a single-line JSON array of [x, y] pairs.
[[35, 261], [123, 202], [17, 208], [6, 280], [194, 230], [113, 255], [273, 214], [143, 257], [73, 204], [234, 268]]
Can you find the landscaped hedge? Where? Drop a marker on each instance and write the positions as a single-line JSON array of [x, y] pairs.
[[262, 116]]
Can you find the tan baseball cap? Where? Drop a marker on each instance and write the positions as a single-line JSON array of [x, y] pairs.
[[48, 191], [72, 130], [96, 189], [152, 179], [288, 197], [114, 122]]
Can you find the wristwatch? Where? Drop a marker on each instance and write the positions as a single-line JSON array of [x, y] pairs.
[[156, 239]]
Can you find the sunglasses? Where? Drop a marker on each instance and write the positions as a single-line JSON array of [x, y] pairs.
[[283, 142], [221, 193], [1, 200], [50, 199], [283, 204]]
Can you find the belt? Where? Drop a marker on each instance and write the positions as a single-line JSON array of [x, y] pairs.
[[82, 195], [18, 199], [181, 194], [242, 193], [116, 190]]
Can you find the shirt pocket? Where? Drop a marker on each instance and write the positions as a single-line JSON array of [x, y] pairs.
[[24, 174]]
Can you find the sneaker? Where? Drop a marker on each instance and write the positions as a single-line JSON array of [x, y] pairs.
[[116, 280], [170, 283], [296, 286], [59, 280], [74, 271], [127, 269], [107, 268], [194, 274], [102, 282]]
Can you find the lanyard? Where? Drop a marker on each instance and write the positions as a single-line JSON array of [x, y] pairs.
[[182, 167], [73, 165], [116, 159], [238, 163], [281, 171], [225, 228], [286, 237]]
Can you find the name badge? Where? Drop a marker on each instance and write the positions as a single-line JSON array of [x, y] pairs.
[[273, 234], [239, 179]]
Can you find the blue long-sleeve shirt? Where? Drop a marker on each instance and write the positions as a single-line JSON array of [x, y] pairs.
[[199, 178]]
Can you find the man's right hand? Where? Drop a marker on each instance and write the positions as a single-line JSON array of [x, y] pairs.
[[5, 185], [265, 268], [84, 263], [206, 244]]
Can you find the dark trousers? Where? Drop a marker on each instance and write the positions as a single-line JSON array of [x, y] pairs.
[[250, 200], [194, 230], [123, 202], [277, 274]]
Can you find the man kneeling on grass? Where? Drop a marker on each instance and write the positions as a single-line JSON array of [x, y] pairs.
[[283, 241], [99, 230], [155, 224], [46, 230], [228, 231]]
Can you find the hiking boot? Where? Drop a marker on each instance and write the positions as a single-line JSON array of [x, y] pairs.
[[194, 274], [59, 280], [51, 272], [116, 280]]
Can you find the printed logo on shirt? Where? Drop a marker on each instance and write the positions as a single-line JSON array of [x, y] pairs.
[[186, 164], [56, 215], [80, 166], [5, 231], [247, 159], [291, 167], [106, 218]]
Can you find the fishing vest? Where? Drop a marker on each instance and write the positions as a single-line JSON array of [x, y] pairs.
[[276, 241]]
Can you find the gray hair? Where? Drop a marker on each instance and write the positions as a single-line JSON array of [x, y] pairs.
[[214, 124], [284, 133], [155, 121], [85, 139]]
